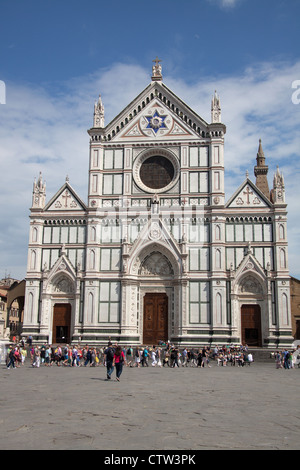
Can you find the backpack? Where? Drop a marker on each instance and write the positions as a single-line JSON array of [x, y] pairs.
[[129, 352], [110, 354]]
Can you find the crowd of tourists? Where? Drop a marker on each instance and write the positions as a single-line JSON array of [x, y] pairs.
[[287, 359], [163, 355]]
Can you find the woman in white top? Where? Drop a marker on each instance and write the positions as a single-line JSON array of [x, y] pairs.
[[153, 356]]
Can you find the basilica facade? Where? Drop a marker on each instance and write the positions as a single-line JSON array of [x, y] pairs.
[[157, 252]]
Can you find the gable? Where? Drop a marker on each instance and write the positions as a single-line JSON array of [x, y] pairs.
[[156, 121], [155, 231], [248, 195], [156, 113], [65, 200]]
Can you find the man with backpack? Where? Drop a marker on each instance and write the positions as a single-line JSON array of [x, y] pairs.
[[129, 354], [145, 357], [108, 360]]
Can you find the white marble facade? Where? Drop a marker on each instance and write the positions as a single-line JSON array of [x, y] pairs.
[[157, 222]]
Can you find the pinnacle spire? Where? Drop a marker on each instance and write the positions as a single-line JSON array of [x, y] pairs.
[[261, 172], [39, 193], [99, 113], [260, 154], [215, 108]]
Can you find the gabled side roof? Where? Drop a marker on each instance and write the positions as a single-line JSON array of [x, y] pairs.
[[248, 195], [65, 199]]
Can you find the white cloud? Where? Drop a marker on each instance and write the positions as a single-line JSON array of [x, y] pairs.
[[225, 3], [46, 131], [229, 3]]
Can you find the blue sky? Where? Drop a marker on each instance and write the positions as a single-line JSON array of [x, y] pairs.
[[45, 42], [57, 56]]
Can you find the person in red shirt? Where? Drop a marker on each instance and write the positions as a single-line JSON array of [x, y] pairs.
[[118, 361]]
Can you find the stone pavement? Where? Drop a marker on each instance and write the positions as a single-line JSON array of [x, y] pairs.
[[236, 408]]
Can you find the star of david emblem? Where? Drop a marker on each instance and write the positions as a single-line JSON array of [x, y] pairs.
[[156, 122]]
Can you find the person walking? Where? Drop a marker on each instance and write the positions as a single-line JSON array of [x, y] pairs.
[[88, 357], [93, 357], [145, 357], [174, 357], [108, 360], [17, 357], [11, 359], [278, 360], [129, 356], [199, 358], [286, 363], [158, 354], [137, 356], [74, 356], [37, 357], [153, 356], [47, 356], [58, 356], [184, 357], [118, 361], [23, 354]]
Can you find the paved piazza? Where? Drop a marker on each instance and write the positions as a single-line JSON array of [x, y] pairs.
[[236, 408]]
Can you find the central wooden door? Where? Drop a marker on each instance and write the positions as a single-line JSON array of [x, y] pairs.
[[155, 318], [61, 323], [251, 325]]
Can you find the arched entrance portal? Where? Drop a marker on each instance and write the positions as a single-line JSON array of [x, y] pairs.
[[251, 325], [155, 269], [61, 323]]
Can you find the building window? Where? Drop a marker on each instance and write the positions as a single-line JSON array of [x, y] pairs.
[[113, 159], [110, 259], [110, 296], [199, 182], [113, 184], [199, 259], [198, 156], [157, 172], [199, 302]]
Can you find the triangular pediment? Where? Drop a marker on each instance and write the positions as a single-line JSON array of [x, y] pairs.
[[156, 121], [60, 279], [156, 113], [248, 264], [248, 195], [65, 199], [154, 236], [156, 231], [62, 265], [249, 279]]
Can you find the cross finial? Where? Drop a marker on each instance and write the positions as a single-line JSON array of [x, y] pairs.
[[156, 69], [157, 60]]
